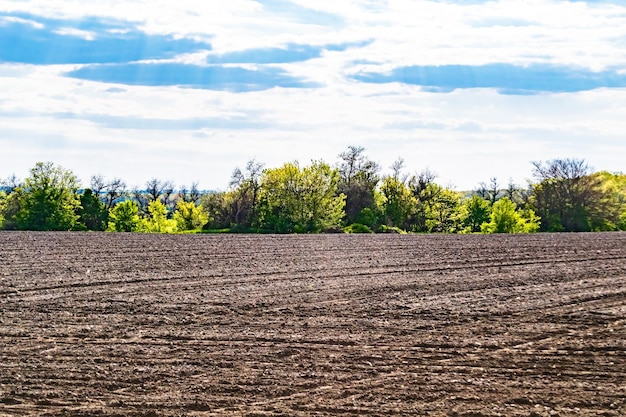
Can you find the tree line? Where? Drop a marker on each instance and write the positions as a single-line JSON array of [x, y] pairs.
[[351, 196]]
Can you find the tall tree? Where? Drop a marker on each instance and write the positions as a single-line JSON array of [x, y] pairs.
[[157, 189], [423, 190], [92, 214], [477, 211], [49, 201], [566, 196], [358, 181], [157, 221], [11, 195], [191, 194], [246, 187], [189, 216], [11, 183], [398, 203], [490, 192], [115, 189], [301, 200], [505, 218], [444, 211], [124, 217]]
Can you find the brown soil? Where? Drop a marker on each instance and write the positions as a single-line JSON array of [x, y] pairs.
[[156, 325]]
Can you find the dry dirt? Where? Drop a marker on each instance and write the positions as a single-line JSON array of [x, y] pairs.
[[157, 325]]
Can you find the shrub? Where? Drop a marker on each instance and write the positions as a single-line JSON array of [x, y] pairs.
[[391, 229], [357, 228]]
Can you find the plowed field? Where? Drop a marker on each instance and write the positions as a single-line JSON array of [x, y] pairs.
[[156, 325]]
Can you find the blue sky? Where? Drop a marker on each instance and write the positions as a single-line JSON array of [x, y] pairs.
[[189, 90]]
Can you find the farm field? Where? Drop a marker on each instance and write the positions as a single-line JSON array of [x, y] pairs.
[[312, 325]]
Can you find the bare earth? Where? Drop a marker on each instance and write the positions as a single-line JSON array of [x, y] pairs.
[[156, 325]]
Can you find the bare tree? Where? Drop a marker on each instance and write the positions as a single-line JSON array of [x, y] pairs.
[[420, 182], [98, 184], [359, 179], [396, 169], [194, 192], [561, 169], [514, 193], [494, 190], [489, 192], [11, 183], [566, 196], [157, 189], [141, 197], [352, 158], [482, 192], [114, 189], [107, 191], [247, 186], [191, 194], [425, 196]]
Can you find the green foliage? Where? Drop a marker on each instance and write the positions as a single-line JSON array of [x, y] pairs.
[[92, 214], [391, 230], [244, 198], [477, 211], [444, 213], [300, 200], [370, 217], [569, 198], [3, 204], [505, 218], [49, 200], [398, 203], [10, 207], [318, 198], [157, 221], [358, 182], [124, 217], [609, 212], [357, 228], [218, 207], [188, 216]]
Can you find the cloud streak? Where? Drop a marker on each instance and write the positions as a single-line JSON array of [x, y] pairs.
[[506, 78], [191, 76], [90, 41]]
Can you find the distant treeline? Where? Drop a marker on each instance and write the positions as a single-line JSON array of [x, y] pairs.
[[349, 197]]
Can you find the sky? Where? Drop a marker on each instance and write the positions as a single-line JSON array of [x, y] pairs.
[[190, 90]]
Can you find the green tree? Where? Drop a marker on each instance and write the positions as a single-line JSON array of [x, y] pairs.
[[397, 202], [424, 191], [301, 200], [477, 211], [157, 221], [218, 207], [567, 197], [49, 200], [3, 204], [444, 214], [124, 217], [10, 207], [505, 218], [92, 214], [609, 212], [188, 216], [358, 181], [246, 188]]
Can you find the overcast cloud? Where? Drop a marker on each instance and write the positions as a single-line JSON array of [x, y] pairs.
[[189, 90]]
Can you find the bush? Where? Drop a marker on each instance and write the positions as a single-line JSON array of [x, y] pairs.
[[357, 228], [391, 229]]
